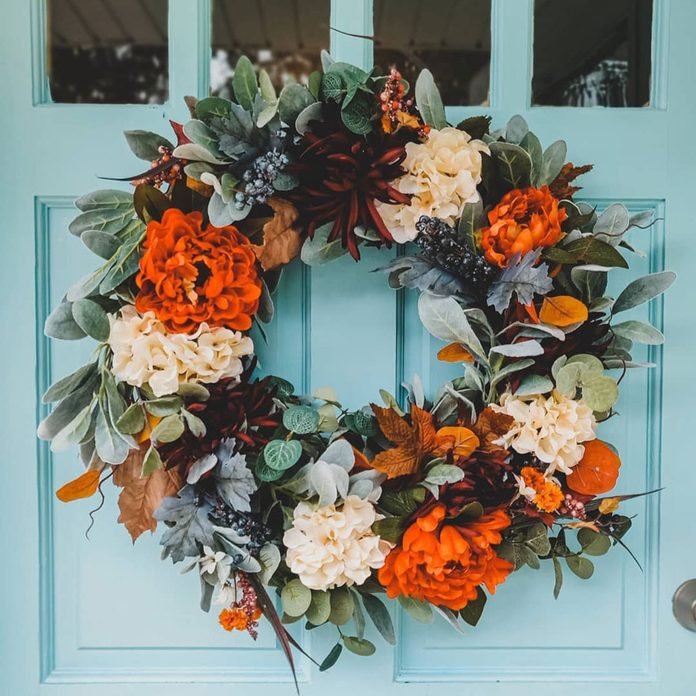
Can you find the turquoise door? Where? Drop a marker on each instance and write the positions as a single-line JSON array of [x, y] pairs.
[[98, 616]]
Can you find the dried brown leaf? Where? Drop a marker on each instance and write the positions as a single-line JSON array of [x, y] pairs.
[[281, 240], [413, 441], [489, 426], [140, 497]]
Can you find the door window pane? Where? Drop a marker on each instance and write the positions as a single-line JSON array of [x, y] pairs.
[[108, 51], [284, 37], [592, 52], [450, 37]]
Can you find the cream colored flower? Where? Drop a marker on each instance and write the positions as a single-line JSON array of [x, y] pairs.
[[145, 353], [442, 174], [332, 546], [551, 428]]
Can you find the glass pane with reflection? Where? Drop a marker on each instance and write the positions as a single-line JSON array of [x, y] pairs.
[[450, 37], [592, 52], [108, 51], [282, 36]]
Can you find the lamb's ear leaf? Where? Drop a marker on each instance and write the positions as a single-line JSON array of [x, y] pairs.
[[429, 101]]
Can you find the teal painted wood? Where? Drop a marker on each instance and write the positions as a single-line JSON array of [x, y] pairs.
[[84, 617]]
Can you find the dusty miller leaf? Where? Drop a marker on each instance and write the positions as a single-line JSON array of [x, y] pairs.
[[521, 278], [189, 526]]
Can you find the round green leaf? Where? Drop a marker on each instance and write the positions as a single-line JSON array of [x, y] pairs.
[[600, 393], [168, 429], [582, 567], [592, 543], [91, 318], [301, 419], [296, 598], [282, 454], [320, 608], [342, 606], [359, 646]]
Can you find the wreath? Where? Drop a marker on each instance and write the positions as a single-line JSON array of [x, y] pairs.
[[430, 499]]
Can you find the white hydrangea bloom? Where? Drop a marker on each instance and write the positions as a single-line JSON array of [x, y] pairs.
[[146, 353], [442, 174], [334, 546], [551, 428]]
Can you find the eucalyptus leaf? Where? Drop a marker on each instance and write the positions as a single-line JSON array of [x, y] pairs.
[[296, 598], [169, 429], [320, 608], [342, 606], [145, 145], [359, 646], [582, 567], [132, 420]]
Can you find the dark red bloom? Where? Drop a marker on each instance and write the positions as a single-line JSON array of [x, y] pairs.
[[342, 174], [242, 410]]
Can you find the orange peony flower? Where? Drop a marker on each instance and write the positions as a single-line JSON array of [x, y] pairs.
[[444, 563], [524, 220], [548, 494], [190, 275]]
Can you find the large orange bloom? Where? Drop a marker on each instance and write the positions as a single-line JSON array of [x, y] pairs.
[[524, 220], [445, 563], [190, 275]]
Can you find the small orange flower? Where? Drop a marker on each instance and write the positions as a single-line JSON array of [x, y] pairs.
[[549, 496], [445, 563], [234, 619], [456, 439], [190, 274], [524, 220]]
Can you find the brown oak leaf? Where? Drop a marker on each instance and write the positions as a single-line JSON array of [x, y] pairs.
[[140, 497], [489, 426], [561, 186], [413, 440], [282, 241]]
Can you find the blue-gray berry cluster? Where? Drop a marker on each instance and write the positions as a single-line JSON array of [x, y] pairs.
[[258, 179], [439, 243]]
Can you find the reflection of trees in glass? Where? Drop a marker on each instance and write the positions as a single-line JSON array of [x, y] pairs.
[[604, 86], [123, 74]]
